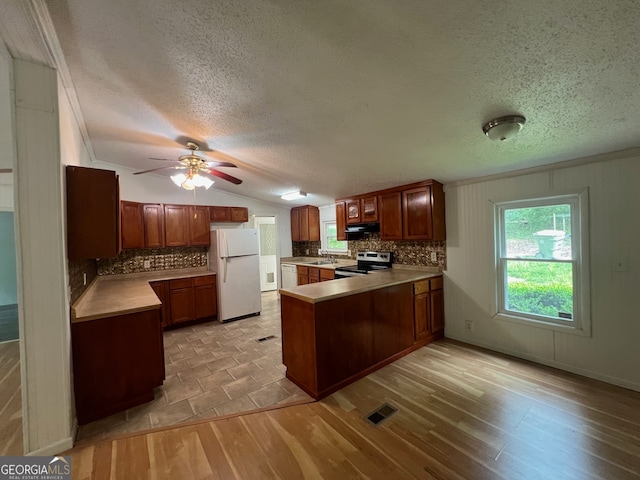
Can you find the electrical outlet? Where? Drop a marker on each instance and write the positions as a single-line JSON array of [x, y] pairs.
[[468, 325], [434, 256], [349, 252], [147, 264], [306, 251], [320, 251]]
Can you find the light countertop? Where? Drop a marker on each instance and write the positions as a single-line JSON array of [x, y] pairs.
[[110, 295], [323, 291]]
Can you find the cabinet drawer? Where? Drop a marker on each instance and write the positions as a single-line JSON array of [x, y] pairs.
[[420, 287], [303, 270], [436, 283], [180, 283], [206, 280]]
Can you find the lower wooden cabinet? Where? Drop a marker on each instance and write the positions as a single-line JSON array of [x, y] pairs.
[[181, 301], [117, 362], [428, 308], [206, 296], [314, 275], [303, 275], [185, 300]]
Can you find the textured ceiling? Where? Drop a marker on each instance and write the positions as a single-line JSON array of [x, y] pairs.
[[339, 98]]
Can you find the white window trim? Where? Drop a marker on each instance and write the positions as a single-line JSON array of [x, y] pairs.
[[581, 322], [324, 242]]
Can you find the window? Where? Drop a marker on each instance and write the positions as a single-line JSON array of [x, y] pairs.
[[541, 260], [330, 240]]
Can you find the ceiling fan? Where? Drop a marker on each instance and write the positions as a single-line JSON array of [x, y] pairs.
[[194, 165]]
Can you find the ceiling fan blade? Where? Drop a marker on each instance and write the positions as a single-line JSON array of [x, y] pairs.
[[221, 164], [224, 176], [157, 169], [163, 159]]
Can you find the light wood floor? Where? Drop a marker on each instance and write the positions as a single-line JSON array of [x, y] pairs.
[[10, 400], [463, 413]]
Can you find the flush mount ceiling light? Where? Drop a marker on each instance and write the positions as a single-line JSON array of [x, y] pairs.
[[504, 128], [293, 195]]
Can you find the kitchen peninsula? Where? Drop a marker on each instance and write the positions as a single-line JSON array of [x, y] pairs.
[[334, 333]]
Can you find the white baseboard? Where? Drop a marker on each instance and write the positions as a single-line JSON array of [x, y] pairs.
[[551, 363], [54, 448]]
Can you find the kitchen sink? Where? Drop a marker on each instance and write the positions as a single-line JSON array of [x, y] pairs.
[[320, 262]]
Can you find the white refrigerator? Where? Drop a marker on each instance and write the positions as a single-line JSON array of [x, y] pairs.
[[234, 257]]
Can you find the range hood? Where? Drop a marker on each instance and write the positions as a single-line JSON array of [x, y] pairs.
[[358, 231]]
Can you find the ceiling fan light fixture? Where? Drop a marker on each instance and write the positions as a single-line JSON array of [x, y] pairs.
[[189, 182], [293, 195], [504, 128]]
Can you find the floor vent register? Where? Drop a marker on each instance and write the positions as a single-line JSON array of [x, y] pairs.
[[264, 339], [381, 413]]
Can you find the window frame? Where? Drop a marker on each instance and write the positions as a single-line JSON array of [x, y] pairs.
[[325, 239], [580, 324]]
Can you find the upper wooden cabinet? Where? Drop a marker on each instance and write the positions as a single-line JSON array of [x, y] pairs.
[[369, 209], [409, 212], [341, 221], [391, 216], [239, 214], [305, 224], [153, 215], [176, 225], [93, 213], [132, 224], [199, 225], [229, 214]]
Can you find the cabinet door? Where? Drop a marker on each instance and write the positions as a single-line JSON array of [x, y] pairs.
[[132, 224], [159, 289], [416, 213], [176, 225], [199, 225], [326, 274], [304, 224], [206, 301], [421, 310], [391, 216], [93, 213], [239, 214], [295, 225], [353, 211], [341, 220], [153, 215], [182, 305], [437, 311], [314, 224], [220, 214], [369, 209], [303, 279]]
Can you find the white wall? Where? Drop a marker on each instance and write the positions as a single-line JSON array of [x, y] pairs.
[[612, 353]]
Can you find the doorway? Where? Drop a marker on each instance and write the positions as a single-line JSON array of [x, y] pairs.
[[268, 235]]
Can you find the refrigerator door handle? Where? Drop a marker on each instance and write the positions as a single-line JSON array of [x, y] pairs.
[[224, 274]]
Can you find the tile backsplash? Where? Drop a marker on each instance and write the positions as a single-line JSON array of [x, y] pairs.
[[169, 258], [299, 249], [404, 253], [77, 269]]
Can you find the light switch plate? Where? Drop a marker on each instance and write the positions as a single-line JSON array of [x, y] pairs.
[[147, 264], [434, 256]]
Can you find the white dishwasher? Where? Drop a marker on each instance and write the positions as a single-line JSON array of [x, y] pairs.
[[289, 275]]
